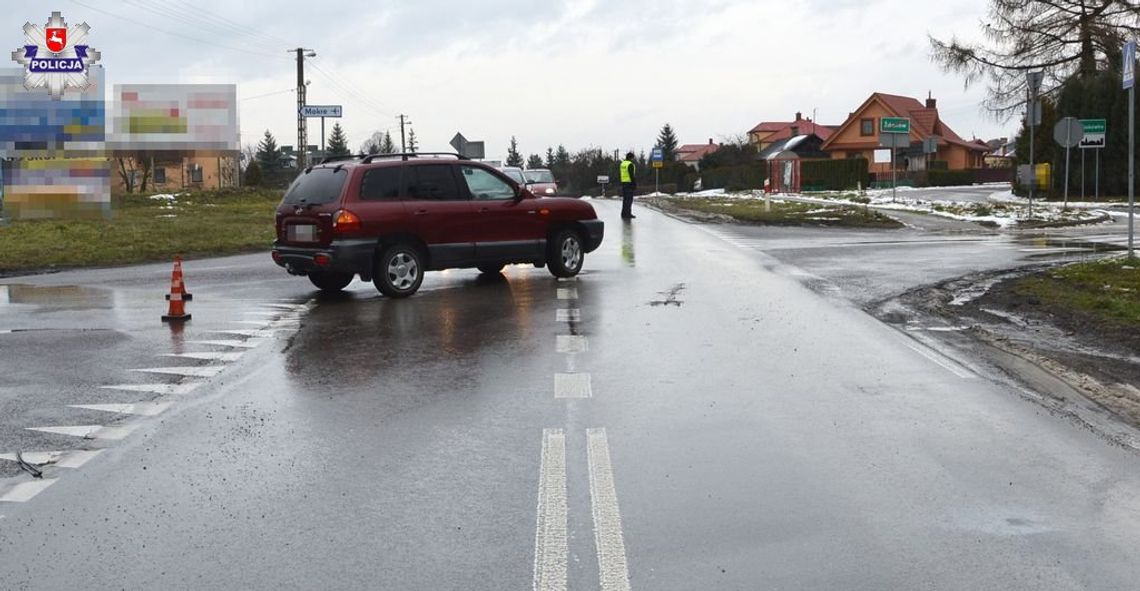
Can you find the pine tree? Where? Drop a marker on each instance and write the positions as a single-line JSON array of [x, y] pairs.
[[413, 146], [338, 142], [513, 156], [252, 175], [534, 161], [549, 157], [387, 146], [667, 141], [561, 157], [268, 154], [1062, 38]]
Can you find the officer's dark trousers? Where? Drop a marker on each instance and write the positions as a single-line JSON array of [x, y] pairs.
[[626, 200]]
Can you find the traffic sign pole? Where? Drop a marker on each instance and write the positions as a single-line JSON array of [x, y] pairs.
[[1130, 83]]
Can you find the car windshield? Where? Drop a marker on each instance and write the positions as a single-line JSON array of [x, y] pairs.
[[317, 185], [515, 174], [539, 176]]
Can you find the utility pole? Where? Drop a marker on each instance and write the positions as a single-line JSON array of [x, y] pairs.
[[403, 142], [302, 140]]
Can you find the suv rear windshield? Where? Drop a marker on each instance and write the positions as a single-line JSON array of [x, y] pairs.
[[318, 185]]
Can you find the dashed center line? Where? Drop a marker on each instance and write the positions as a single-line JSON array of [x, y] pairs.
[[613, 568], [550, 545], [572, 385], [567, 293], [568, 315], [572, 344]]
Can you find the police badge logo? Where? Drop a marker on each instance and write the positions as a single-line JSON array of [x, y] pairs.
[[65, 60]]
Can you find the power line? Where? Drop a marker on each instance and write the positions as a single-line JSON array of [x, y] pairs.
[[205, 20], [346, 90], [257, 96], [244, 51]]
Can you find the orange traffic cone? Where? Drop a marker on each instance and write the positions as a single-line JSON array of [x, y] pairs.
[[176, 279], [176, 312]]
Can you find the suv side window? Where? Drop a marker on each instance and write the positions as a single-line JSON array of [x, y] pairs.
[[432, 182], [381, 184], [486, 186]]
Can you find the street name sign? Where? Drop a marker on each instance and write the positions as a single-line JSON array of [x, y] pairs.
[[657, 157], [322, 110], [894, 125], [1095, 131], [603, 179]]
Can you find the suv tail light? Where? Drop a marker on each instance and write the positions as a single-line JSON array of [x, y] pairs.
[[346, 222]]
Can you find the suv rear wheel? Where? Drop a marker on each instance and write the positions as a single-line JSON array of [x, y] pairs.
[[491, 269], [330, 281], [565, 253], [399, 271]]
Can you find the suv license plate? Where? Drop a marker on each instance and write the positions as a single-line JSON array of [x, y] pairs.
[[302, 233]]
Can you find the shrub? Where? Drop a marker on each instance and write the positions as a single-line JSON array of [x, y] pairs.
[[835, 175]]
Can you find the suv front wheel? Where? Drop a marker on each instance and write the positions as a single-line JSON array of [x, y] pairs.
[[565, 253], [399, 271]]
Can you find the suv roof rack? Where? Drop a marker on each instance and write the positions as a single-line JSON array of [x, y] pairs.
[[328, 159], [405, 155]]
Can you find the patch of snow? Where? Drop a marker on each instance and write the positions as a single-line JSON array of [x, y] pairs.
[[164, 197]]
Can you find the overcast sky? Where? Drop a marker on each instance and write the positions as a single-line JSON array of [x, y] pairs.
[[576, 72]]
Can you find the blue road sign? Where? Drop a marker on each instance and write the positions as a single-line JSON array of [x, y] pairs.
[[657, 155], [1129, 64], [321, 110]]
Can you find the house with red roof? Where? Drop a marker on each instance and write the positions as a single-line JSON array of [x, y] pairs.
[[858, 137], [691, 154], [767, 133]]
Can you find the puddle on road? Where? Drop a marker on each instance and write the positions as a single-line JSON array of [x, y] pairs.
[[68, 297], [1045, 247]]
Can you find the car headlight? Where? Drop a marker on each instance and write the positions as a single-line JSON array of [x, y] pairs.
[[549, 191]]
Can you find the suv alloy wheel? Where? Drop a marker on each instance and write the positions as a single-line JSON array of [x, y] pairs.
[[399, 271]]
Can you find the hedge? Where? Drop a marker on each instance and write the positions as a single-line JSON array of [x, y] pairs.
[[835, 175]]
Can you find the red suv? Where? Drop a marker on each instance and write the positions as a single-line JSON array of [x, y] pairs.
[[389, 218]]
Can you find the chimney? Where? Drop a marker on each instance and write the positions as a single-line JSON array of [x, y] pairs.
[[799, 116], [931, 103], [710, 141]]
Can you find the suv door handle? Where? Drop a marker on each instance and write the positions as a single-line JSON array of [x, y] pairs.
[[484, 209], [420, 212]]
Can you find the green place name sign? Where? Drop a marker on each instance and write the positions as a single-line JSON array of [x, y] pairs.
[[1094, 125], [894, 125]]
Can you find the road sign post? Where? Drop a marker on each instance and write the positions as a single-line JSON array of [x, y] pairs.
[[657, 158], [1129, 76], [1033, 86], [894, 132], [1068, 132], [603, 180]]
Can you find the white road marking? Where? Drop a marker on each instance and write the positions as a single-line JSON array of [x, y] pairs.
[[572, 344], [948, 365], [252, 344], [550, 545], [204, 371], [24, 491], [89, 431], [165, 389], [568, 315], [207, 356], [248, 333], [59, 459], [612, 566], [572, 385], [567, 279], [567, 293], [145, 409]]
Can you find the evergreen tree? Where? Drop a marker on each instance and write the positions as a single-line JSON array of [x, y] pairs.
[[534, 161], [549, 157], [268, 154], [513, 156], [413, 146], [561, 157], [1062, 38], [252, 175], [387, 146], [667, 140], [338, 142]]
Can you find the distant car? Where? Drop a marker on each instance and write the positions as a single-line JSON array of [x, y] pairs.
[[515, 173], [541, 181], [389, 218]]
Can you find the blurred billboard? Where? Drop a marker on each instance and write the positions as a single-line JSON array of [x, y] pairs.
[[45, 188], [177, 117], [32, 125]]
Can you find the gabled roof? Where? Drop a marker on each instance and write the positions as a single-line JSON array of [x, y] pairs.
[[925, 121], [694, 152], [768, 126], [802, 127]]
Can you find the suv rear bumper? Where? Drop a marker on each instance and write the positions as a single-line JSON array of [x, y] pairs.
[[344, 256], [595, 230]]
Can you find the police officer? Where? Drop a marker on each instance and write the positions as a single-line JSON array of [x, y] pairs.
[[628, 186]]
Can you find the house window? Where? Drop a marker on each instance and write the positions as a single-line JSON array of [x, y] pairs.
[[160, 176], [867, 126], [196, 173]]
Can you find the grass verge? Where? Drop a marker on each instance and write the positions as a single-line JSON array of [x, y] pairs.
[[209, 223], [1103, 292], [782, 213]]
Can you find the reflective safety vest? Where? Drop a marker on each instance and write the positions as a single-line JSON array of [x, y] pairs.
[[626, 171]]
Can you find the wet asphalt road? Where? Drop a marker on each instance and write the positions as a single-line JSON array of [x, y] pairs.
[[743, 430]]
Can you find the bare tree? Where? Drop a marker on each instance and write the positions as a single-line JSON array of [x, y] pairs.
[[1063, 38]]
